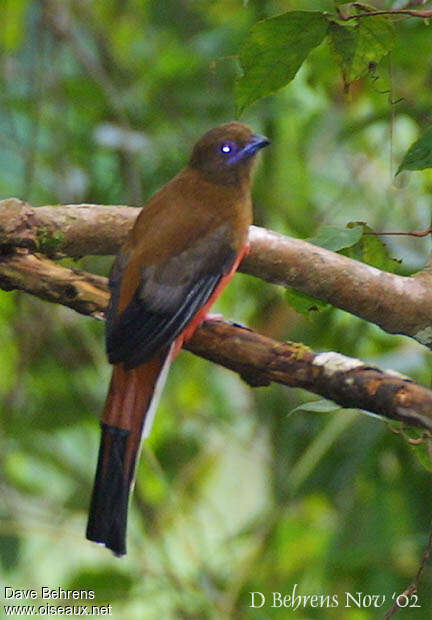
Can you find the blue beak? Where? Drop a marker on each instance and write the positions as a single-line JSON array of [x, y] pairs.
[[256, 142]]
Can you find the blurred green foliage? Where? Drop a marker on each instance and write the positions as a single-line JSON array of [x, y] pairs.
[[419, 155], [100, 102]]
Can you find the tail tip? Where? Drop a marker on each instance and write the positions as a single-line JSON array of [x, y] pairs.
[[109, 504], [117, 546]]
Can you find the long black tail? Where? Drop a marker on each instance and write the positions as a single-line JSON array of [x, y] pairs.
[[126, 419], [108, 513]]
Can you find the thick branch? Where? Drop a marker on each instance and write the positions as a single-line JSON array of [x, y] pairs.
[[65, 230], [259, 360], [377, 296], [84, 292]]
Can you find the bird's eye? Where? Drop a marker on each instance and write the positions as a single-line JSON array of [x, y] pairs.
[[226, 148]]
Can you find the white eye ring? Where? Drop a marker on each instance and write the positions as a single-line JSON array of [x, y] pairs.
[[225, 148]]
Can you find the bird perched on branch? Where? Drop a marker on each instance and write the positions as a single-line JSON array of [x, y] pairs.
[[185, 246]]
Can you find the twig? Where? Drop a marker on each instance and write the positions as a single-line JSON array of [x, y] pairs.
[[413, 588], [422, 13], [419, 233]]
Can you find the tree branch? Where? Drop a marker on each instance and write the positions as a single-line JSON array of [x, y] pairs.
[[65, 230], [347, 381], [377, 296], [422, 13], [259, 360], [84, 292]]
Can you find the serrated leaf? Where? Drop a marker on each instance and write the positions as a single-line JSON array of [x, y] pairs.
[[317, 406], [304, 304], [355, 48], [419, 154], [274, 51], [336, 239]]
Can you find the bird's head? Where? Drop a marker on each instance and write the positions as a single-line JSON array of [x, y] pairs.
[[226, 153]]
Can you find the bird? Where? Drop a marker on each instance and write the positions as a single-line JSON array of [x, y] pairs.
[[185, 246]]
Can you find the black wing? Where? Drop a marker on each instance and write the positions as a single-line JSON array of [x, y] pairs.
[[167, 299]]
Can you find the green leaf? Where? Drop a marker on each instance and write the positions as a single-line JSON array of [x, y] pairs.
[[419, 154], [274, 51], [304, 304], [372, 250], [317, 406], [356, 47], [335, 239], [423, 451], [418, 440]]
